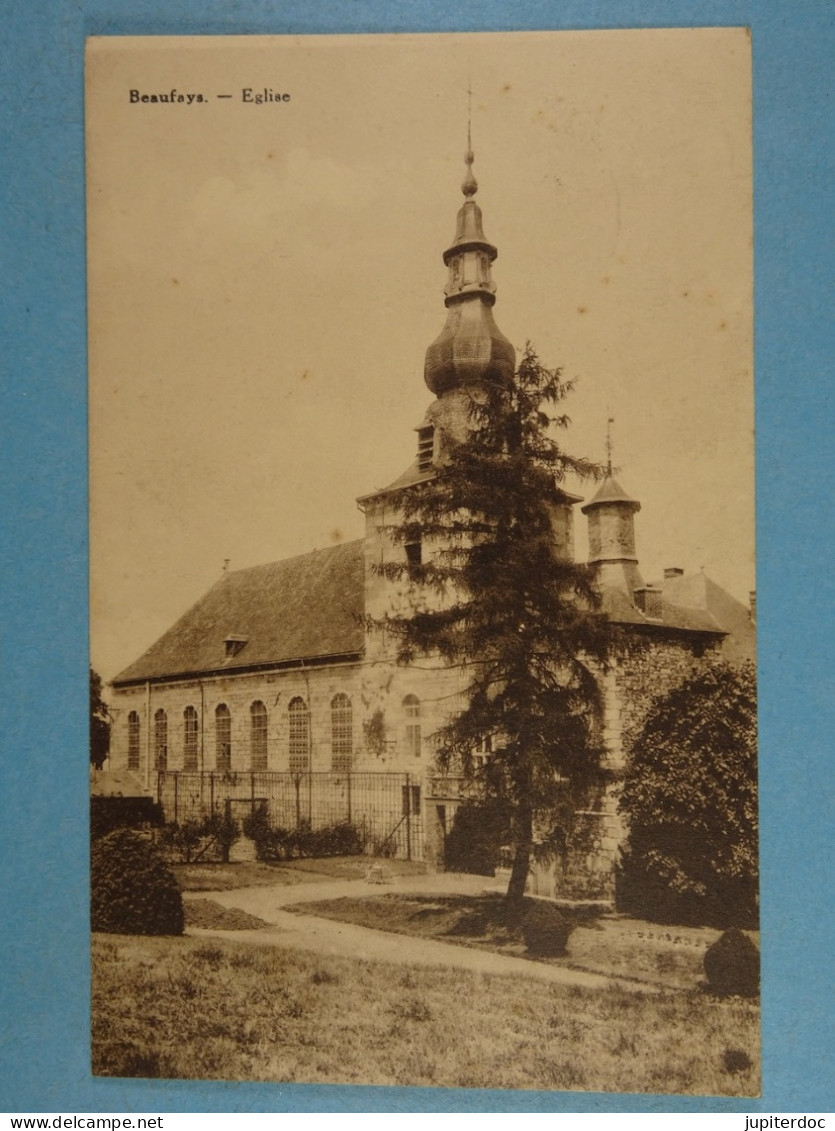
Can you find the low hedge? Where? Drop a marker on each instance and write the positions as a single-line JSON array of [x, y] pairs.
[[273, 842]]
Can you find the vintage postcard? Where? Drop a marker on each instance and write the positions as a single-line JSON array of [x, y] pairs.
[[423, 603]]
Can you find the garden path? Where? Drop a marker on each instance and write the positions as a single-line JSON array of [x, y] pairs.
[[327, 936]]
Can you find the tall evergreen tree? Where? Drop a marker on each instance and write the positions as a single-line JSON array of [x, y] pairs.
[[510, 607]]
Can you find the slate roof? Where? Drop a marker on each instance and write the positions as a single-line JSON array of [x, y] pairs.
[[308, 607], [610, 491], [411, 476], [698, 593], [691, 604], [680, 617]]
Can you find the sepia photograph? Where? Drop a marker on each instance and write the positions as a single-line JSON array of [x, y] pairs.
[[422, 560]]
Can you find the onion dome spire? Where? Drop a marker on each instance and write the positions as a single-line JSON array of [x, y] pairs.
[[470, 349]]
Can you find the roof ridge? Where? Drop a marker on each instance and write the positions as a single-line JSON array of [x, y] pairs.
[[292, 558]]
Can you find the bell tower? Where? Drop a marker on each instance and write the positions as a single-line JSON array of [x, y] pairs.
[[468, 355], [470, 351]]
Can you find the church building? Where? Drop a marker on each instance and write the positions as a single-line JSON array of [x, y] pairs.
[[272, 692]]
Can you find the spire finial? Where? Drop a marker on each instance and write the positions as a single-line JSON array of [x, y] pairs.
[[609, 423], [469, 186]]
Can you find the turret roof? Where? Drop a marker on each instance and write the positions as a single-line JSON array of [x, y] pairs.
[[610, 491]]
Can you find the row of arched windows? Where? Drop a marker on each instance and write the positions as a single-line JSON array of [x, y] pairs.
[[298, 716]]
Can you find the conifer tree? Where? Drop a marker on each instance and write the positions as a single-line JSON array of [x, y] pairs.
[[512, 610]]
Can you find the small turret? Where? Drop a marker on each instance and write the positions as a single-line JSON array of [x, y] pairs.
[[611, 514]]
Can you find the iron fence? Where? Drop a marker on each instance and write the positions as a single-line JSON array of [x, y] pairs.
[[387, 808]]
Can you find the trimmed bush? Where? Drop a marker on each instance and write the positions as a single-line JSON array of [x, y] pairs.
[[545, 929], [732, 965], [132, 892]]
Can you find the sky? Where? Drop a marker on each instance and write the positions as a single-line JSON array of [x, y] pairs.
[[264, 279]]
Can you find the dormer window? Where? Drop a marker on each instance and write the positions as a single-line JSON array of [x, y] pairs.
[[648, 600], [235, 643], [426, 448]]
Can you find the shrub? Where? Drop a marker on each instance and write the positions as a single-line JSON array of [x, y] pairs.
[[545, 929], [110, 811], [223, 831], [256, 826], [690, 800], [474, 842], [182, 840], [209, 839], [272, 842], [732, 965], [132, 890], [341, 839]]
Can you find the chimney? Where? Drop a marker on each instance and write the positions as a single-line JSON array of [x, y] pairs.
[[673, 571], [752, 605], [648, 600]]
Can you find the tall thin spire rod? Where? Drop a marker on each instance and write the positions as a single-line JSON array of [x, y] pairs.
[[609, 423], [469, 186]]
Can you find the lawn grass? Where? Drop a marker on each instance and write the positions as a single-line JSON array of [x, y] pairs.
[[208, 876], [224, 1009], [226, 877], [612, 945]]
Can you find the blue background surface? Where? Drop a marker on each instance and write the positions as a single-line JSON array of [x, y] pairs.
[[43, 580]]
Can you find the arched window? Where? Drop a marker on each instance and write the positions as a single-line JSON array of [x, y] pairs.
[[223, 738], [299, 735], [190, 738], [411, 706], [258, 736], [342, 733], [133, 741], [160, 740]]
